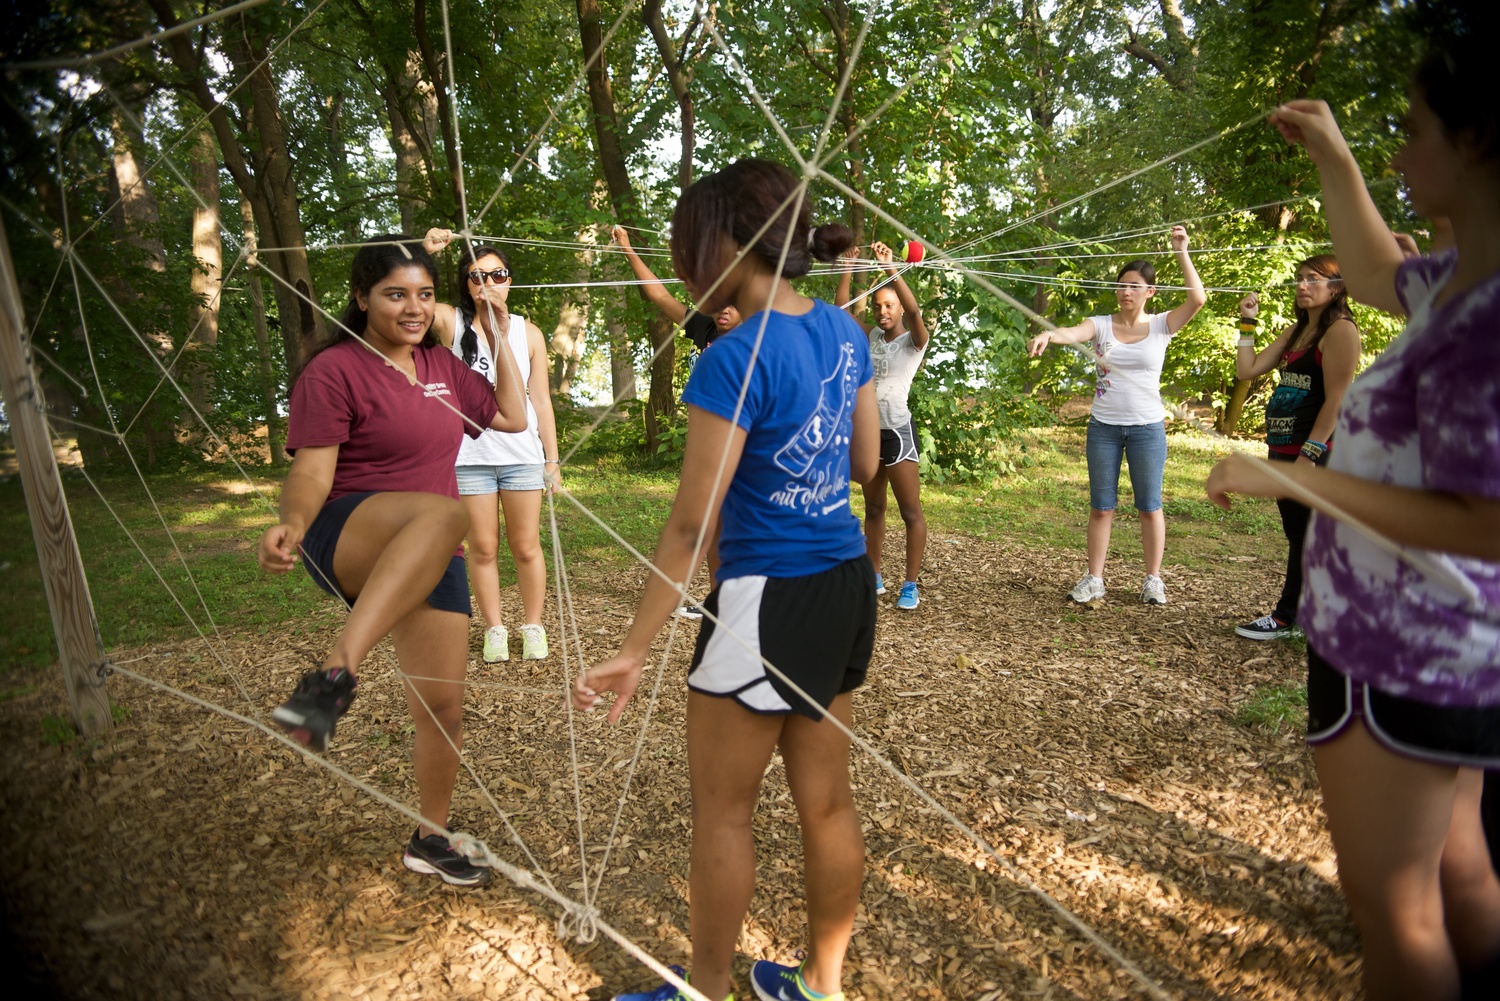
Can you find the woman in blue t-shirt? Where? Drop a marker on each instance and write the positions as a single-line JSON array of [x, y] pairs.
[[781, 417]]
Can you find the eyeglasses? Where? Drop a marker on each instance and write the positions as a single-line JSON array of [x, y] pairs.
[[496, 277]]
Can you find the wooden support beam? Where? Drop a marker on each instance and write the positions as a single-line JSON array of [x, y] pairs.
[[73, 623]]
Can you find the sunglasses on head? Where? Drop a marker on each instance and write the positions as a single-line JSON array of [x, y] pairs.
[[496, 277]]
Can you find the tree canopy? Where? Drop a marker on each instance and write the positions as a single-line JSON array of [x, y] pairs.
[[978, 125]]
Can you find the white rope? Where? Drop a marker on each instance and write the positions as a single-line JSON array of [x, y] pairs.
[[477, 850]]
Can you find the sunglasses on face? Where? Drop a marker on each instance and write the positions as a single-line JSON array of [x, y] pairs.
[[496, 277]]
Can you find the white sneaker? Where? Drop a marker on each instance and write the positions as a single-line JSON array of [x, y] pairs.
[[1086, 590], [689, 609], [533, 642], [496, 644], [1153, 591]]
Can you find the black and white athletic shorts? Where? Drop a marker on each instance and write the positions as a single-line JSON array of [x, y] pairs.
[[818, 630], [1462, 736], [898, 444], [322, 538]]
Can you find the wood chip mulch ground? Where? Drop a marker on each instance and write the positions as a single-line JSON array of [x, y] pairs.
[[190, 857]]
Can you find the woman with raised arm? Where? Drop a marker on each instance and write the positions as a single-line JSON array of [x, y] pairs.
[[781, 416], [371, 504], [1127, 421], [1317, 357], [701, 329], [516, 467], [898, 342], [1401, 604]]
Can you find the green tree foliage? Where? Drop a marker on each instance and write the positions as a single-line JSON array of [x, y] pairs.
[[961, 118]]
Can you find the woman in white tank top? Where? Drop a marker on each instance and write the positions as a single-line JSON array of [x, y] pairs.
[[1126, 423], [517, 467]]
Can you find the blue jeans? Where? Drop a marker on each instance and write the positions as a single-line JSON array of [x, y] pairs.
[[476, 480], [1143, 446]]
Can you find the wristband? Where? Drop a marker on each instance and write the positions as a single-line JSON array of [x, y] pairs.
[[1247, 342], [1314, 450], [552, 462]]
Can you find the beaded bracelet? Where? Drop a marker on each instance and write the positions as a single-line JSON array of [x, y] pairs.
[[1314, 450]]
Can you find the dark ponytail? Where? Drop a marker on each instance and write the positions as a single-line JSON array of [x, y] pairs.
[[734, 204]]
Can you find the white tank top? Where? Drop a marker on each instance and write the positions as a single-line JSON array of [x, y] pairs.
[[502, 448]]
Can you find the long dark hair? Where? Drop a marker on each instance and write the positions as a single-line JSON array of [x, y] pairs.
[[468, 342], [1325, 266], [1456, 73], [377, 258], [734, 203]]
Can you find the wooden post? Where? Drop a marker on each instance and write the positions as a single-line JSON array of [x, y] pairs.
[[51, 527]]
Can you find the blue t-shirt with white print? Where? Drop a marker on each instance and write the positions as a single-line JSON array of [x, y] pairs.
[[787, 513]]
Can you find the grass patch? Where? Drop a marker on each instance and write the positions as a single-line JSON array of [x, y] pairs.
[[215, 520], [1273, 707]]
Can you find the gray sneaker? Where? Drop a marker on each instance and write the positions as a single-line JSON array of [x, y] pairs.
[[1153, 591], [1086, 590]]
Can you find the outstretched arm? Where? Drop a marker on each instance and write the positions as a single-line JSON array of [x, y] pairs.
[[1247, 363], [711, 439], [1076, 334], [1367, 255], [1196, 297], [653, 287], [904, 295]]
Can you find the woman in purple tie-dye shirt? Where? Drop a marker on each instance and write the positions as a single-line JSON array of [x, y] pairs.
[[1404, 650]]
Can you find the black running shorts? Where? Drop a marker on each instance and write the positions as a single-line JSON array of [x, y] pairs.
[[322, 538], [818, 631], [1464, 736], [898, 444]]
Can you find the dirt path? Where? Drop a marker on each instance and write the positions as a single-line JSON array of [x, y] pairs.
[[191, 857]]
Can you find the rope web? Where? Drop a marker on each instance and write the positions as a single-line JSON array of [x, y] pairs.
[[582, 917]]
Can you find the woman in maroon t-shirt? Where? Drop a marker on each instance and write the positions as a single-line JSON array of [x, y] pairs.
[[371, 504]]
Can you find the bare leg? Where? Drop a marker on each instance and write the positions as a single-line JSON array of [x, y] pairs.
[[1390, 817], [483, 551], [907, 486], [434, 644], [1100, 523], [728, 750], [1471, 893], [394, 549], [523, 533], [1153, 539], [875, 504], [833, 849]]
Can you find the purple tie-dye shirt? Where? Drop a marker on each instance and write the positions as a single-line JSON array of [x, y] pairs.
[[1425, 414]]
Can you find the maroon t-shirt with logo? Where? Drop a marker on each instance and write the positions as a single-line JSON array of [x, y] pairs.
[[391, 434]]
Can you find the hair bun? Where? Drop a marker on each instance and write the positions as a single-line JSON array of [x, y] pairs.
[[827, 242]]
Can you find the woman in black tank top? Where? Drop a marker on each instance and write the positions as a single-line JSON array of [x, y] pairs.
[[1317, 356]]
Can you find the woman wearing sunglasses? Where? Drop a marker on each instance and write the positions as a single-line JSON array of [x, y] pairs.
[[517, 467]]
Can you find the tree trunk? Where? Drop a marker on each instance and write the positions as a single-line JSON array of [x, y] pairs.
[[208, 248], [262, 169], [436, 78], [568, 336], [612, 164], [136, 217], [275, 432]]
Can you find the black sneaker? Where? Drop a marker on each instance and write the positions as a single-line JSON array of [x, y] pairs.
[[433, 856], [320, 699], [1267, 627]]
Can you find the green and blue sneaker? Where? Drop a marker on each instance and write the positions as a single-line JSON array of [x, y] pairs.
[[774, 982], [666, 992]]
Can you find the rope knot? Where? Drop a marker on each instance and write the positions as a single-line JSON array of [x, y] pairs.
[[473, 849], [578, 921]]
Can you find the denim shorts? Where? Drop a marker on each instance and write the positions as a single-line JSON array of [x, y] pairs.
[[474, 480], [322, 538], [1143, 446]]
